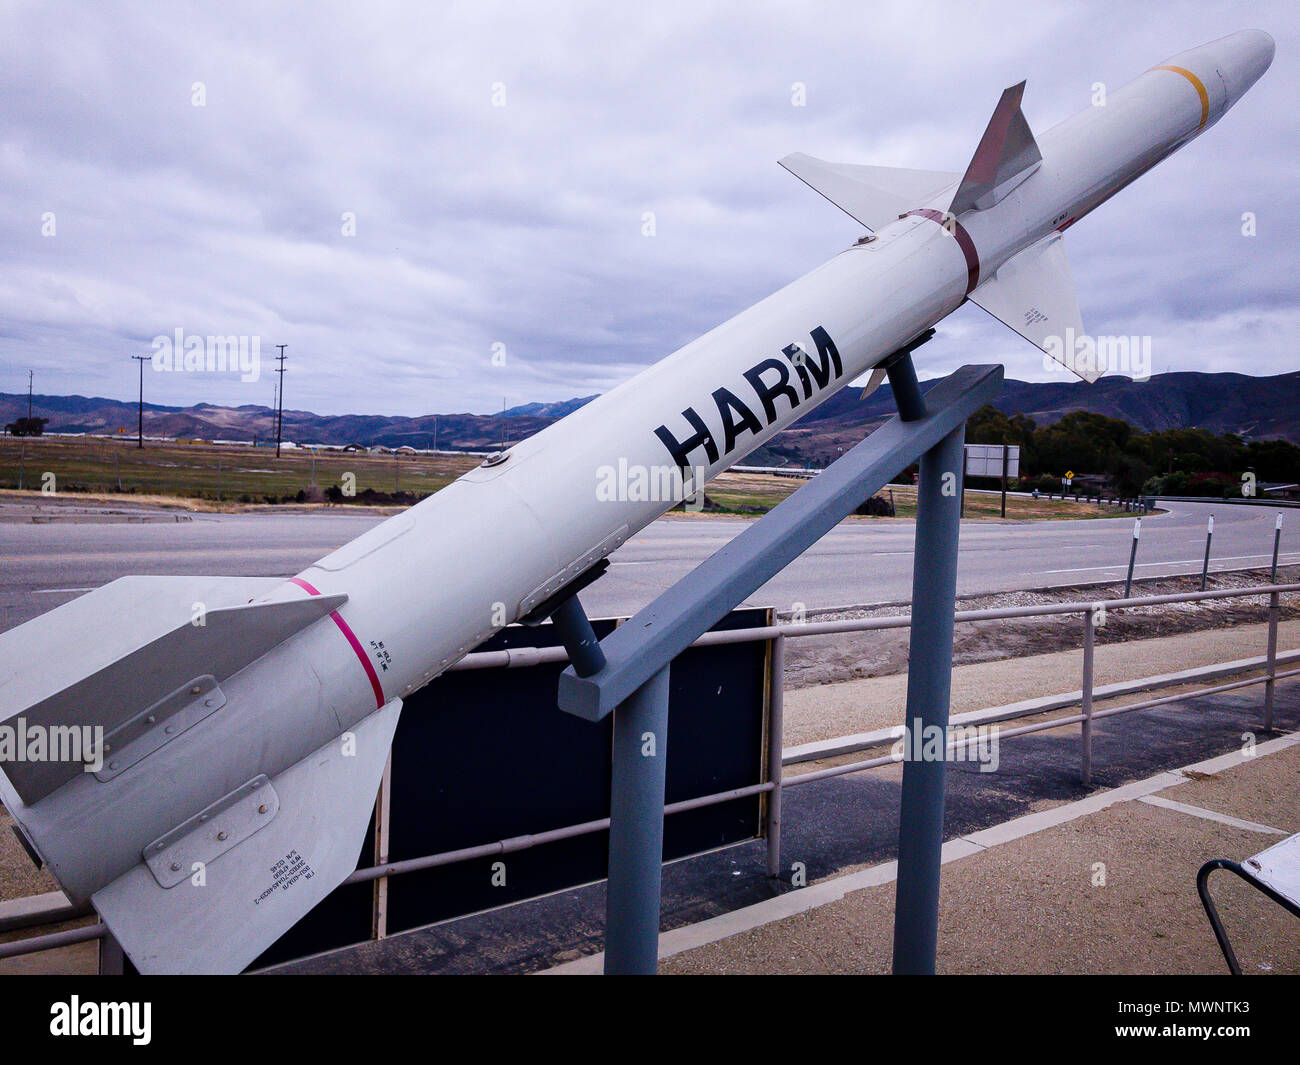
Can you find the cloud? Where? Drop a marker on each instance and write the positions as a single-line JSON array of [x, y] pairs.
[[521, 225]]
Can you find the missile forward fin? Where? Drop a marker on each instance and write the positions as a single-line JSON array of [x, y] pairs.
[[1033, 293], [874, 195], [1007, 154]]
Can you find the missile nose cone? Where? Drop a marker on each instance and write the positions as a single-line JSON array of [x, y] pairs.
[[1243, 57]]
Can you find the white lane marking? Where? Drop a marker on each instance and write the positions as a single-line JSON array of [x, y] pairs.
[[59, 591], [1210, 815]]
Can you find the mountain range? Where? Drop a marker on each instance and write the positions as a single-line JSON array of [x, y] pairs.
[[1251, 407]]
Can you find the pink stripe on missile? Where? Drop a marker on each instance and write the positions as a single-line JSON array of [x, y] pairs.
[[950, 223], [351, 636]]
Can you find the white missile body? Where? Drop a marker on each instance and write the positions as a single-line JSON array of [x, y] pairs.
[[309, 673]]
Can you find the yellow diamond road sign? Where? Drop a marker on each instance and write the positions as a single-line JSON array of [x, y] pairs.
[[1069, 475]]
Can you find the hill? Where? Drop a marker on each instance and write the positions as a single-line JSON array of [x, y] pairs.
[[1255, 408]]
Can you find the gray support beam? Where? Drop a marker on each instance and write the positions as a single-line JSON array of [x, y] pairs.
[[636, 830], [578, 637], [905, 386], [929, 686], [637, 650]]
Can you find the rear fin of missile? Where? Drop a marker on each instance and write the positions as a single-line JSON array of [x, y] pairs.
[[1033, 293], [141, 658], [1007, 154], [874, 195], [201, 903]]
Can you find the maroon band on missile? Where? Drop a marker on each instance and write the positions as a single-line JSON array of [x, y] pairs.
[[950, 223], [351, 637]]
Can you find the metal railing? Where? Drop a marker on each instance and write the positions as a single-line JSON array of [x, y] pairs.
[[777, 781]]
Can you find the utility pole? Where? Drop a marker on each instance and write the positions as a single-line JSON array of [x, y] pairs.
[[279, 414], [139, 438], [29, 399]]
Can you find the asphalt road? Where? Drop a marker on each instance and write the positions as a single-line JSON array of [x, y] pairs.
[[862, 561]]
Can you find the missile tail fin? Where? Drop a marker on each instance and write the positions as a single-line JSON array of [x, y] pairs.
[[1033, 293], [214, 893], [137, 653], [1007, 154], [873, 195]]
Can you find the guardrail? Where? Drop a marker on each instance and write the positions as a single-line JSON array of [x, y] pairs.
[[1257, 501], [1090, 612]]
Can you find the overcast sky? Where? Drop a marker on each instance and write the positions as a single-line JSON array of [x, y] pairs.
[[521, 225]]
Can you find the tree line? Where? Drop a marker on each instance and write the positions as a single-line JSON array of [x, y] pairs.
[[1186, 462]]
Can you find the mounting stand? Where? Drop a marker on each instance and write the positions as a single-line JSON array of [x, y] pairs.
[[633, 675]]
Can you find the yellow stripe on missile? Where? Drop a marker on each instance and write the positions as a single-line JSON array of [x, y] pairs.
[[1200, 91]]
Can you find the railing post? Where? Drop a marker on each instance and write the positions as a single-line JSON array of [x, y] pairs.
[[636, 830], [383, 812], [1274, 614], [775, 742], [929, 688], [1089, 645]]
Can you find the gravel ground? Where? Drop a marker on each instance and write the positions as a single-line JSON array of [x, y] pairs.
[[1032, 906], [18, 876], [816, 660]]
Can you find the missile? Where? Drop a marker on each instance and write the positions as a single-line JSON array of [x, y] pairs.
[[233, 731]]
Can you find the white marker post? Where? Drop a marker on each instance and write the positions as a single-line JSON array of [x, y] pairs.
[[1209, 535], [1132, 557], [1277, 543]]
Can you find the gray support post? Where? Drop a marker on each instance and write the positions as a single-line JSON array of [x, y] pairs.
[[1089, 645], [1277, 543], [636, 830], [1274, 614], [775, 743], [1209, 535], [1132, 557], [929, 687], [578, 637]]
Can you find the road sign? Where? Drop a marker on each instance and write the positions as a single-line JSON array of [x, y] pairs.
[[1069, 475], [985, 460]]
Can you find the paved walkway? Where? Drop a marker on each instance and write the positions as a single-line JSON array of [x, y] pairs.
[[1106, 885]]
